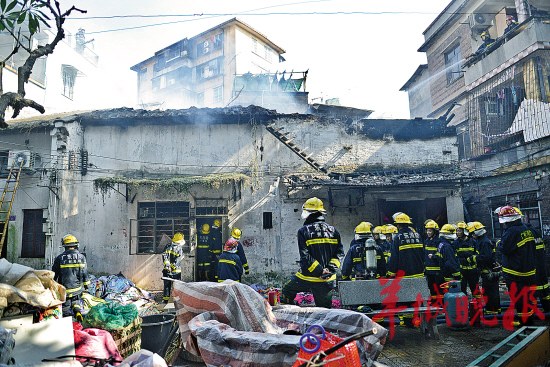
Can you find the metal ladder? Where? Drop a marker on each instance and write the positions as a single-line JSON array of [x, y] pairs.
[[8, 195], [516, 349], [286, 139]]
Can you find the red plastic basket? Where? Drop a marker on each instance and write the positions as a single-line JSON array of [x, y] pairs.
[[347, 356]]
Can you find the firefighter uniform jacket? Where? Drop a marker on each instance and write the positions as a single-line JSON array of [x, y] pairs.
[[203, 251], [518, 253], [171, 258], [407, 254], [450, 268], [431, 263], [486, 254], [71, 271], [542, 277], [242, 256], [229, 267], [464, 248], [320, 247]]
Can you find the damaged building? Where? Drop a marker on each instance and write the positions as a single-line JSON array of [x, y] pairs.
[[121, 179], [500, 99]]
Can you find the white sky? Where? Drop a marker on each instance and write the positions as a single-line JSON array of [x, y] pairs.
[[363, 59]]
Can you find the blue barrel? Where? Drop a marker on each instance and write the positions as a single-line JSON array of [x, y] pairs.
[[455, 304]]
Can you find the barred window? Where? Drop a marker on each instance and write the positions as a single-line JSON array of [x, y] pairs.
[[159, 218]]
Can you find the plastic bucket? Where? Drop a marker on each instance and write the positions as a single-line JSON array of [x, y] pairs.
[[155, 330]]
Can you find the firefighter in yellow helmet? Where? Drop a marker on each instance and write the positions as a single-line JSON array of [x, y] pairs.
[[464, 247], [388, 230], [71, 271], [236, 233], [172, 257], [321, 252], [407, 252], [215, 246], [432, 267], [356, 263], [204, 256], [450, 268]]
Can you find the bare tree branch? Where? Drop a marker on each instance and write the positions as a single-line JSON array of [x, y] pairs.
[[17, 100]]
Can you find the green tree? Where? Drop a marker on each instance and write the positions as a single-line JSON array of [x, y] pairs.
[[22, 20]]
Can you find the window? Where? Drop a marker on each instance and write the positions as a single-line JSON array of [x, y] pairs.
[[69, 78], [218, 94], [209, 69], [268, 220], [527, 202], [4, 169], [267, 53], [156, 219], [33, 242], [211, 210], [200, 99], [254, 45], [453, 64]]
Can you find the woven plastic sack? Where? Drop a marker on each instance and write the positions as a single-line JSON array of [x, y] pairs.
[[110, 316], [347, 356]]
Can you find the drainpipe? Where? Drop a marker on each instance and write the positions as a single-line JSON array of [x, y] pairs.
[[522, 9]]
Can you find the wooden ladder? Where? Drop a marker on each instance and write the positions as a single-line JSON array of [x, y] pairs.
[[8, 195], [288, 140]]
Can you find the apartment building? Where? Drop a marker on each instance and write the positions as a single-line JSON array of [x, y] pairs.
[[498, 97], [227, 65]]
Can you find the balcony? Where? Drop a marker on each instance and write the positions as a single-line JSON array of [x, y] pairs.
[[529, 36]]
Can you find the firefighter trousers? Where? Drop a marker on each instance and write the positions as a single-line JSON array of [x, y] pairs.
[[168, 285], [470, 279], [434, 283], [491, 292]]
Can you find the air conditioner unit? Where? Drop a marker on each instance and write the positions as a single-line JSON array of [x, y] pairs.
[[480, 21], [30, 160]]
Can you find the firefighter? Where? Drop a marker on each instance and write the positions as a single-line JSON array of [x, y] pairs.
[[378, 233], [464, 248], [431, 260], [215, 246], [171, 259], [236, 234], [485, 260], [71, 271], [389, 230], [229, 263], [355, 263], [450, 268], [407, 251], [203, 253], [543, 289], [321, 252], [519, 268]]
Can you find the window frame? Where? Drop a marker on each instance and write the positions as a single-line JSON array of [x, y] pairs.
[[218, 94], [153, 216], [455, 73]]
